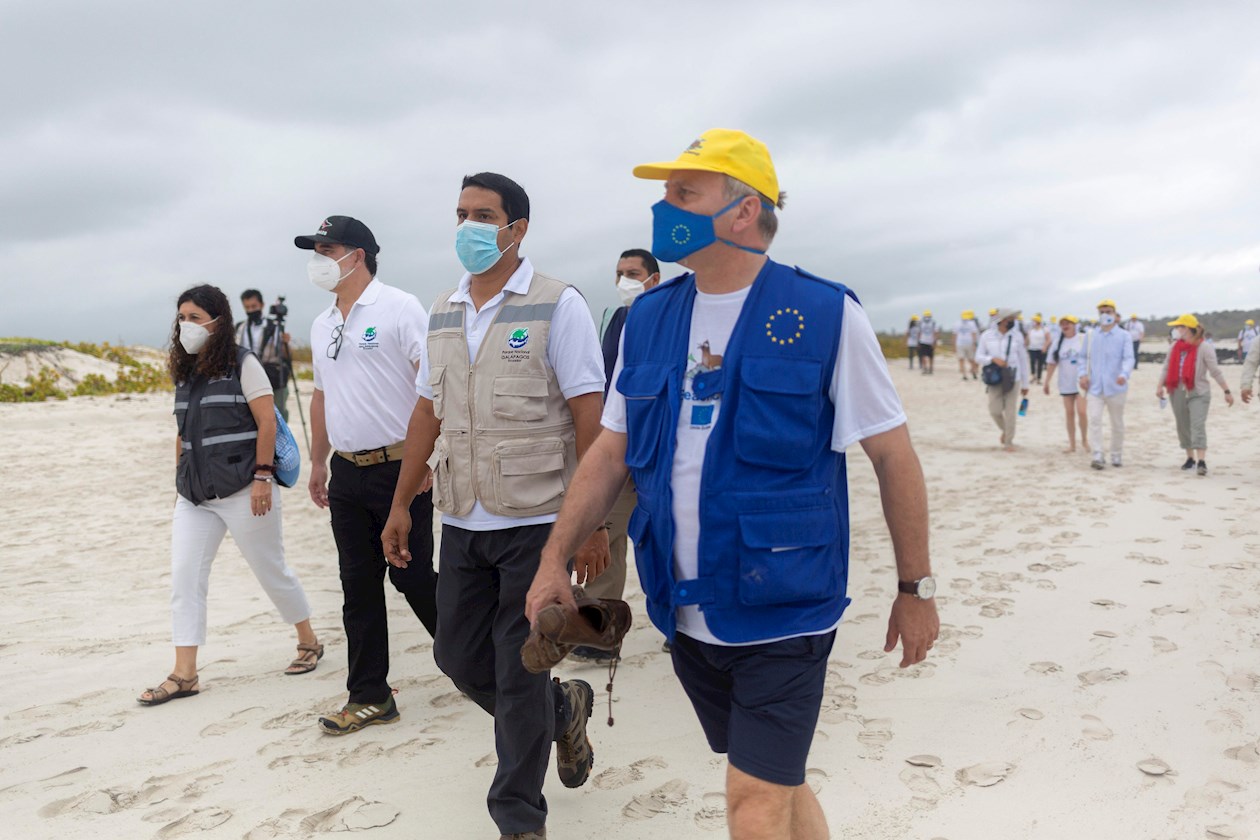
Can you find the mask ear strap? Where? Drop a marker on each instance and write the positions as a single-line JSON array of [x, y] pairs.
[[726, 209]]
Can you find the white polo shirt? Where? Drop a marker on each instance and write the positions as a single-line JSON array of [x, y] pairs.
[[573, 352], [368, 389]]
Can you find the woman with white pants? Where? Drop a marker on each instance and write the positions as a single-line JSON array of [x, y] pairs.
[[225, 477]]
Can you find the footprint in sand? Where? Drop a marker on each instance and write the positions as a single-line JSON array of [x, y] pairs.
[[1105, 634], [1065, 537], [1169, 609], [1247, 753], [1095, 729], [234, 721], [1155, 767], [1225, 831], [1162, 645], [487, 760], [712, 816], [452, 698], [664, 799], [354, 814], [1148, 540], [199, 820], [921, 781], [1101, 675], [875, 735], [616, 777], [1243, 681], [88, 728], [814, 777], [1107, 603], [986, 774], [1211, 794], [1045, 667]]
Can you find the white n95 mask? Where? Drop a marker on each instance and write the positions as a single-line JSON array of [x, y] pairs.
[[628, 289], [193, 337], [325, 272]]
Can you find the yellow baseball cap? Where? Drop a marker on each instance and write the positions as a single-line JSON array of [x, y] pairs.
[[993, 311], [1185, 321], [968, 314], [722, 150], [927, 313], [1037, 319], [1107, 302], [1071, 318], [1251, 322]]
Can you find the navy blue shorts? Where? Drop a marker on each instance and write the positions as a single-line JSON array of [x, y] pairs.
[[757, 703]]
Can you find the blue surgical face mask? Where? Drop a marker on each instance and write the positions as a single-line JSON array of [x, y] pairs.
[[477, 245], [678, 233]]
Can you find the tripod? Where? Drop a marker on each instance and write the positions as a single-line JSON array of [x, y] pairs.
[[278, 313]]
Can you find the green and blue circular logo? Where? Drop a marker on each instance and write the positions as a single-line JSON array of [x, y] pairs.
[[518, 338], [369, 334]]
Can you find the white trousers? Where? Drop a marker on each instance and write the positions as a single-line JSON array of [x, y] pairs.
[[1114, 404], [198, 530]]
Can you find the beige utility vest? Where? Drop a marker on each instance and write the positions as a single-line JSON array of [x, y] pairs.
[[507, 435]]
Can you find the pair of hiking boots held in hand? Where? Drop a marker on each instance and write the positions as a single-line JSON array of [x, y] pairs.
[[600, 623]]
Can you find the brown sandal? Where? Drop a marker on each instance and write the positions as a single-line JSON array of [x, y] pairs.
[[304, 662], [159, 695]]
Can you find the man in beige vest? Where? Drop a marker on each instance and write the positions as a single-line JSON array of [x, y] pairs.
[[511, 390]]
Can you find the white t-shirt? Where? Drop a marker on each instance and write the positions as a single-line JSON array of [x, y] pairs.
[[254, 381], [369, 389], [1038, 338], [1136, 329], [965, 333], [868, 405], [573, 352], [1069, 355], [927, 331]]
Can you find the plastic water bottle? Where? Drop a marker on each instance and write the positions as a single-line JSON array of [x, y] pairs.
[[1023, 407], [1163, 402]]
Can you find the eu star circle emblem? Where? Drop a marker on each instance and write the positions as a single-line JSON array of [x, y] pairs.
[[681, 234], [784, 326]]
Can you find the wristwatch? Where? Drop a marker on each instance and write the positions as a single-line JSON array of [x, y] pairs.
[[924, 588]]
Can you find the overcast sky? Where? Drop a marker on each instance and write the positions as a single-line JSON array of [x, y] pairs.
[[941, 155]]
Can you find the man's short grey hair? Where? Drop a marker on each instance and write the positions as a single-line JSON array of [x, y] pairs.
[[767, 222]]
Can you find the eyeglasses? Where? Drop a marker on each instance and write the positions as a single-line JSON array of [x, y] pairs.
[[335, 346]]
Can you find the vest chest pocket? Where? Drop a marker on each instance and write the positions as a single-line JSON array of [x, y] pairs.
[[788, 557], [648, 415], [780, 405], [522, 398], [224, 414], [437, 375], [529, 474]]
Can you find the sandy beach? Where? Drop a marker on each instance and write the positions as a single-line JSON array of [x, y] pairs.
[[1098, 674]]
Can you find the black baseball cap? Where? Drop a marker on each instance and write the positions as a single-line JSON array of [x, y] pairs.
[[341, 230]]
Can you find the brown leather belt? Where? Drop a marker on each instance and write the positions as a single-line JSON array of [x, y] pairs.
[[372, 457]]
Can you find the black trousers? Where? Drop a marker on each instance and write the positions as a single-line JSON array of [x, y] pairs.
[[1037, 360], [482, 582], [359, 498]]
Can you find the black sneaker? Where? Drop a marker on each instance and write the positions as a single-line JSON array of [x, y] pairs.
[[574, 755], [1202, 470], [1188, 465]]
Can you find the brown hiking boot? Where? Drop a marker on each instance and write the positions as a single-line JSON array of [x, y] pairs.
[[539, 834], [574, 755], [599, 623]]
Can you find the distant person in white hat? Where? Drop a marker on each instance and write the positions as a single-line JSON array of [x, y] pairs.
[[1005, 358]]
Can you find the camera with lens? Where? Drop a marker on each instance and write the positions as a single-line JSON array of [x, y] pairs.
[[278, 310]]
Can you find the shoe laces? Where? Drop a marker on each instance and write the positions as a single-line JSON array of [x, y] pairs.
[[612, 674]]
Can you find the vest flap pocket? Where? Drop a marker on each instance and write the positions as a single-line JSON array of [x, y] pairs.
[[778, 376], [649, 418], [529, 474], [780, 412], [436, 375], [520, 397], [789, 557], [643, 381]]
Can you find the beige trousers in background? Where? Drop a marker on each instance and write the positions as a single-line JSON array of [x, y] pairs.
[[1003, 408], [612, 583]]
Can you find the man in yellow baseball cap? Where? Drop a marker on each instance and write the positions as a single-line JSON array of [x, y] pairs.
[[1105, 377], [750, 358], [1246, 336], [966, 334]]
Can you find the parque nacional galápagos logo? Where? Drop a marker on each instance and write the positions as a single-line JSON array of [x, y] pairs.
[[518, 338], [369, 334]]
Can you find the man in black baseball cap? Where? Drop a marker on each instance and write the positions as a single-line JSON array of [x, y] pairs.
[[341, 230], [366, 347]]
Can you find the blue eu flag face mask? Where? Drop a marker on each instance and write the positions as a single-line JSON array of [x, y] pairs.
[[678, 233], [477, 245]]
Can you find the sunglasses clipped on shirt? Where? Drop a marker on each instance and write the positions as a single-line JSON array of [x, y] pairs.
[[334, 347]]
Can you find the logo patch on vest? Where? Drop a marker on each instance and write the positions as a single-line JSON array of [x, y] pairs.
[[519, 338], [784, 326]]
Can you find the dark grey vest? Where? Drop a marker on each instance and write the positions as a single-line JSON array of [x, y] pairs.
[[219, 436]]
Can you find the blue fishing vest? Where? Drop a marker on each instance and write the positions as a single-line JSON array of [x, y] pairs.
[[774, 511]]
